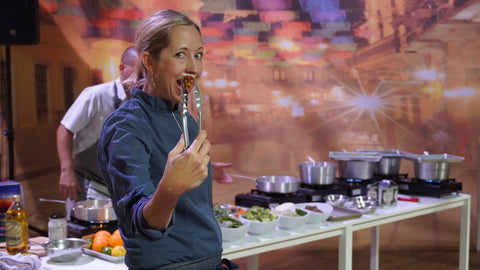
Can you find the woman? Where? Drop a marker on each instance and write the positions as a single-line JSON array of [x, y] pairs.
[[162, 194]]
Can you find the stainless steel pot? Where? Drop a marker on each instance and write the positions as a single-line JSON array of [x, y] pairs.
[[277, 183], [432, 167], [273, 183], [389, 163], [95, 211], [388, 166], [432, 170], [356, 169], [356, 165], [317, 173]]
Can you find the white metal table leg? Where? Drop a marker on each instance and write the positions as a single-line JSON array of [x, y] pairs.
[[477, 246], [252, 262], [464, 236], [374, 247], [345, 249]]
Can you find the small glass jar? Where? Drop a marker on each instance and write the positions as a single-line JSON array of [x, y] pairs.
[[57, 226]]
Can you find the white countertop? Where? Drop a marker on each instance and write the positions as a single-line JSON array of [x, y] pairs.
[[84, 262], [383, 214]]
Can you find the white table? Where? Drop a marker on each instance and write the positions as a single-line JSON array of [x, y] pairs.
[[84, 262], [252, 245]]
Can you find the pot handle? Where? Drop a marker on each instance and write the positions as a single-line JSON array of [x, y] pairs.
[[241, 176], [50, 200]]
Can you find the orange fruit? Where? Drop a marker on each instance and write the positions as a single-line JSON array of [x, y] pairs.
[[99, 243], [102, 234], [115, 239]]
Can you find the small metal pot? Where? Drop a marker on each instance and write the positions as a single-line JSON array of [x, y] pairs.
[[432, 167], [317, 173], [432, 170], [277, 184], [356, 169], [95, 211], [389, 164], [356, 165]]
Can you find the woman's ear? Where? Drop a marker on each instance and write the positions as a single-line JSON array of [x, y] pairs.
[[147, 61]]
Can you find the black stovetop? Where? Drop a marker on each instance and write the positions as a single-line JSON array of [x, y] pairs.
[[431, 188], [351, 188], [268, 200], [78, 228]]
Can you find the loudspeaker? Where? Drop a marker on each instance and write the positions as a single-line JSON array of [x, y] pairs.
[[19, 22]]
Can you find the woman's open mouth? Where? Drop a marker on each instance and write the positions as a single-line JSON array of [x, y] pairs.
[[188, 81]]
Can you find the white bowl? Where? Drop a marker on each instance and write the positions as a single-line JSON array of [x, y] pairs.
[[292, 222], [234, 234], [316, 217], [259, 227]]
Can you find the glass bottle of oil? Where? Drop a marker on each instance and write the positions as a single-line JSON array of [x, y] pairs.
[[16, 227]]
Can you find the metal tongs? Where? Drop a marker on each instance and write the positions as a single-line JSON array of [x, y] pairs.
[[184, 111]]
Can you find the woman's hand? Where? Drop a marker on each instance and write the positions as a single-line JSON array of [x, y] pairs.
[[187, 169], [184, 171]]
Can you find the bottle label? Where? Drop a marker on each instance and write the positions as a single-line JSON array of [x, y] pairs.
[[13, 233], [2, 223]]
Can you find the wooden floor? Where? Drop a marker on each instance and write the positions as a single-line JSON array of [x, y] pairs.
[[311, 256]]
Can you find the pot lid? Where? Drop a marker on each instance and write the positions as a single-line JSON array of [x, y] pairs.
[[426, 157], [384, 153], [349, 156]]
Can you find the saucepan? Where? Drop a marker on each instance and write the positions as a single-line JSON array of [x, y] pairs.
[[274, 183], [93, 211], [317, 172], [96, 211]]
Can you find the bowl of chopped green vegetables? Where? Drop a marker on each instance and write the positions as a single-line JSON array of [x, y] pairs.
[[232, 228], [262, 221]]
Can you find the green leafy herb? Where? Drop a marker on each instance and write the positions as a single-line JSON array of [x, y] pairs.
[[220, 211], [229, 222], [300, 212]]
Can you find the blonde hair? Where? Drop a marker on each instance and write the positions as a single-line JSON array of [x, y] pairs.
[[153, 36]]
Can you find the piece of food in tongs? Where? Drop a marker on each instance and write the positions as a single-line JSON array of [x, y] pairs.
[[188, 80], [188, 83]]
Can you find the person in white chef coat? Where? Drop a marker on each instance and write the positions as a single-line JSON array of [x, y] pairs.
[[79, 131]]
